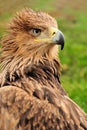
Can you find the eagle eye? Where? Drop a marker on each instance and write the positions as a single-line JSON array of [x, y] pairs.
[[36, 31]]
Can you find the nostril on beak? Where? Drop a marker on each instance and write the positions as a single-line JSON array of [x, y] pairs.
[[53, 33]]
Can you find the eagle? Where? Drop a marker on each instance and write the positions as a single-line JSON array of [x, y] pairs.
[[31, 94]]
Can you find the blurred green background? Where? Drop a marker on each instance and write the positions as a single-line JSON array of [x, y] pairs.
[[72, 21]]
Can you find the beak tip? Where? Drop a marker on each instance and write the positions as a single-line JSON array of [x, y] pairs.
[[62, 46], [61, 40]]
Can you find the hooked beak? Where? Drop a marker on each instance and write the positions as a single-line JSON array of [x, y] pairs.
[[58, 37]]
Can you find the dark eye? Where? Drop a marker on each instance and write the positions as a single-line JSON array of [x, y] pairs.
[[36, 31]]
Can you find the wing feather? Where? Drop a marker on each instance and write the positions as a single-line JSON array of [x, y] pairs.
[[29, 112]]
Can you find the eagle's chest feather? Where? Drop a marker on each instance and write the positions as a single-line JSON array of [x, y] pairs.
[[40, 80]]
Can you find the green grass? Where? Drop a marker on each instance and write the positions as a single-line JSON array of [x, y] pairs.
[[74, 56]]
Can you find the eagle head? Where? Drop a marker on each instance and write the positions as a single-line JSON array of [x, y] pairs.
[[32, 34]]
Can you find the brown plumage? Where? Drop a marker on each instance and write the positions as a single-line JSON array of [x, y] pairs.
[[31, 95]]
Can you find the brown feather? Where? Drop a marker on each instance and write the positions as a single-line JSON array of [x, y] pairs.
[[31, 95]]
